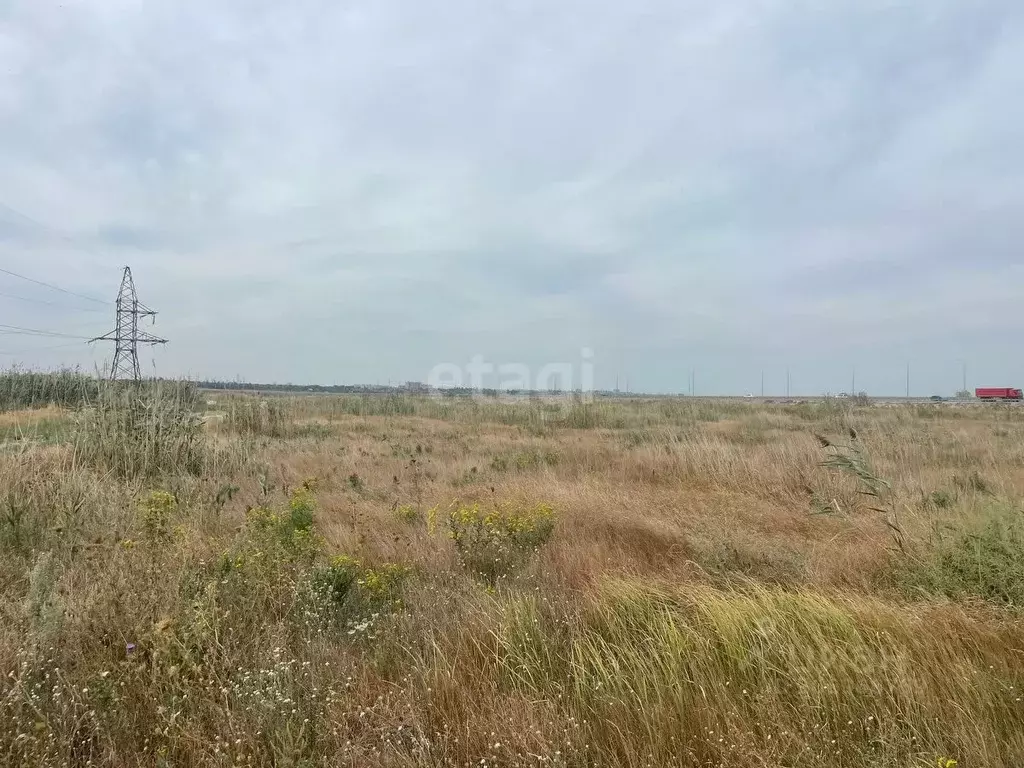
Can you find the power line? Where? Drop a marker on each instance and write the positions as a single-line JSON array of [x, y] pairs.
[[39, 349], [46, 228], [54, 287], [50, 303], [17, 330]]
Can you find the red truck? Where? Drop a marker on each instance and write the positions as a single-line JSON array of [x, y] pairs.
[[998, 393]]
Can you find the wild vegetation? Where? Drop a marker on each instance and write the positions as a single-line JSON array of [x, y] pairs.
[[192, 579]]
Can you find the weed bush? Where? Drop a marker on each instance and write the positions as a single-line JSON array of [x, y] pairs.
[[156, 511], [494, 543], [350, 596], [408, 514], [289, 531], [262, 572]]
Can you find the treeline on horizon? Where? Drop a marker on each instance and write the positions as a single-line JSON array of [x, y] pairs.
[[369, 389]]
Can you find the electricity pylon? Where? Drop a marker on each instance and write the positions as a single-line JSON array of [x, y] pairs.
[[126, 334]]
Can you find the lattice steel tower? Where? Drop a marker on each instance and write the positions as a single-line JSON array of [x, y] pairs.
[[126, 334]]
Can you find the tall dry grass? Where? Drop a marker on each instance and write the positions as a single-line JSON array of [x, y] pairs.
[[283, 589], [21, 389], [653, 674]]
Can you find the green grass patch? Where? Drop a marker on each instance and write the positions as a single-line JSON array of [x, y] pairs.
[[978, 557], [45, 431]]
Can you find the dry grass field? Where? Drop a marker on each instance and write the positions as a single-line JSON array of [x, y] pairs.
[[219, 580]]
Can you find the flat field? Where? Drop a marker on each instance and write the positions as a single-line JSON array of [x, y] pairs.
[[223, 580]]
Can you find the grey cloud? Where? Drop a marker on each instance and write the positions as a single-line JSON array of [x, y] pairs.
[[364, 188]]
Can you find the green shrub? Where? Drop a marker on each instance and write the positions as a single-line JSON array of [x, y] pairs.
[[494, 543], [355, 588], [981, 558], [289, 531]]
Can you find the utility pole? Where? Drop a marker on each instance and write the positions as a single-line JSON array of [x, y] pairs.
[[908, 380], [762, 382], [853, 382], [787, 382], [126, 334], [965, 377]]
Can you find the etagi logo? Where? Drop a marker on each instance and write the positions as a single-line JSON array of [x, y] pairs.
[[563, 379]]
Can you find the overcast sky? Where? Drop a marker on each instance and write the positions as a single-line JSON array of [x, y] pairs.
[[359, 190]]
